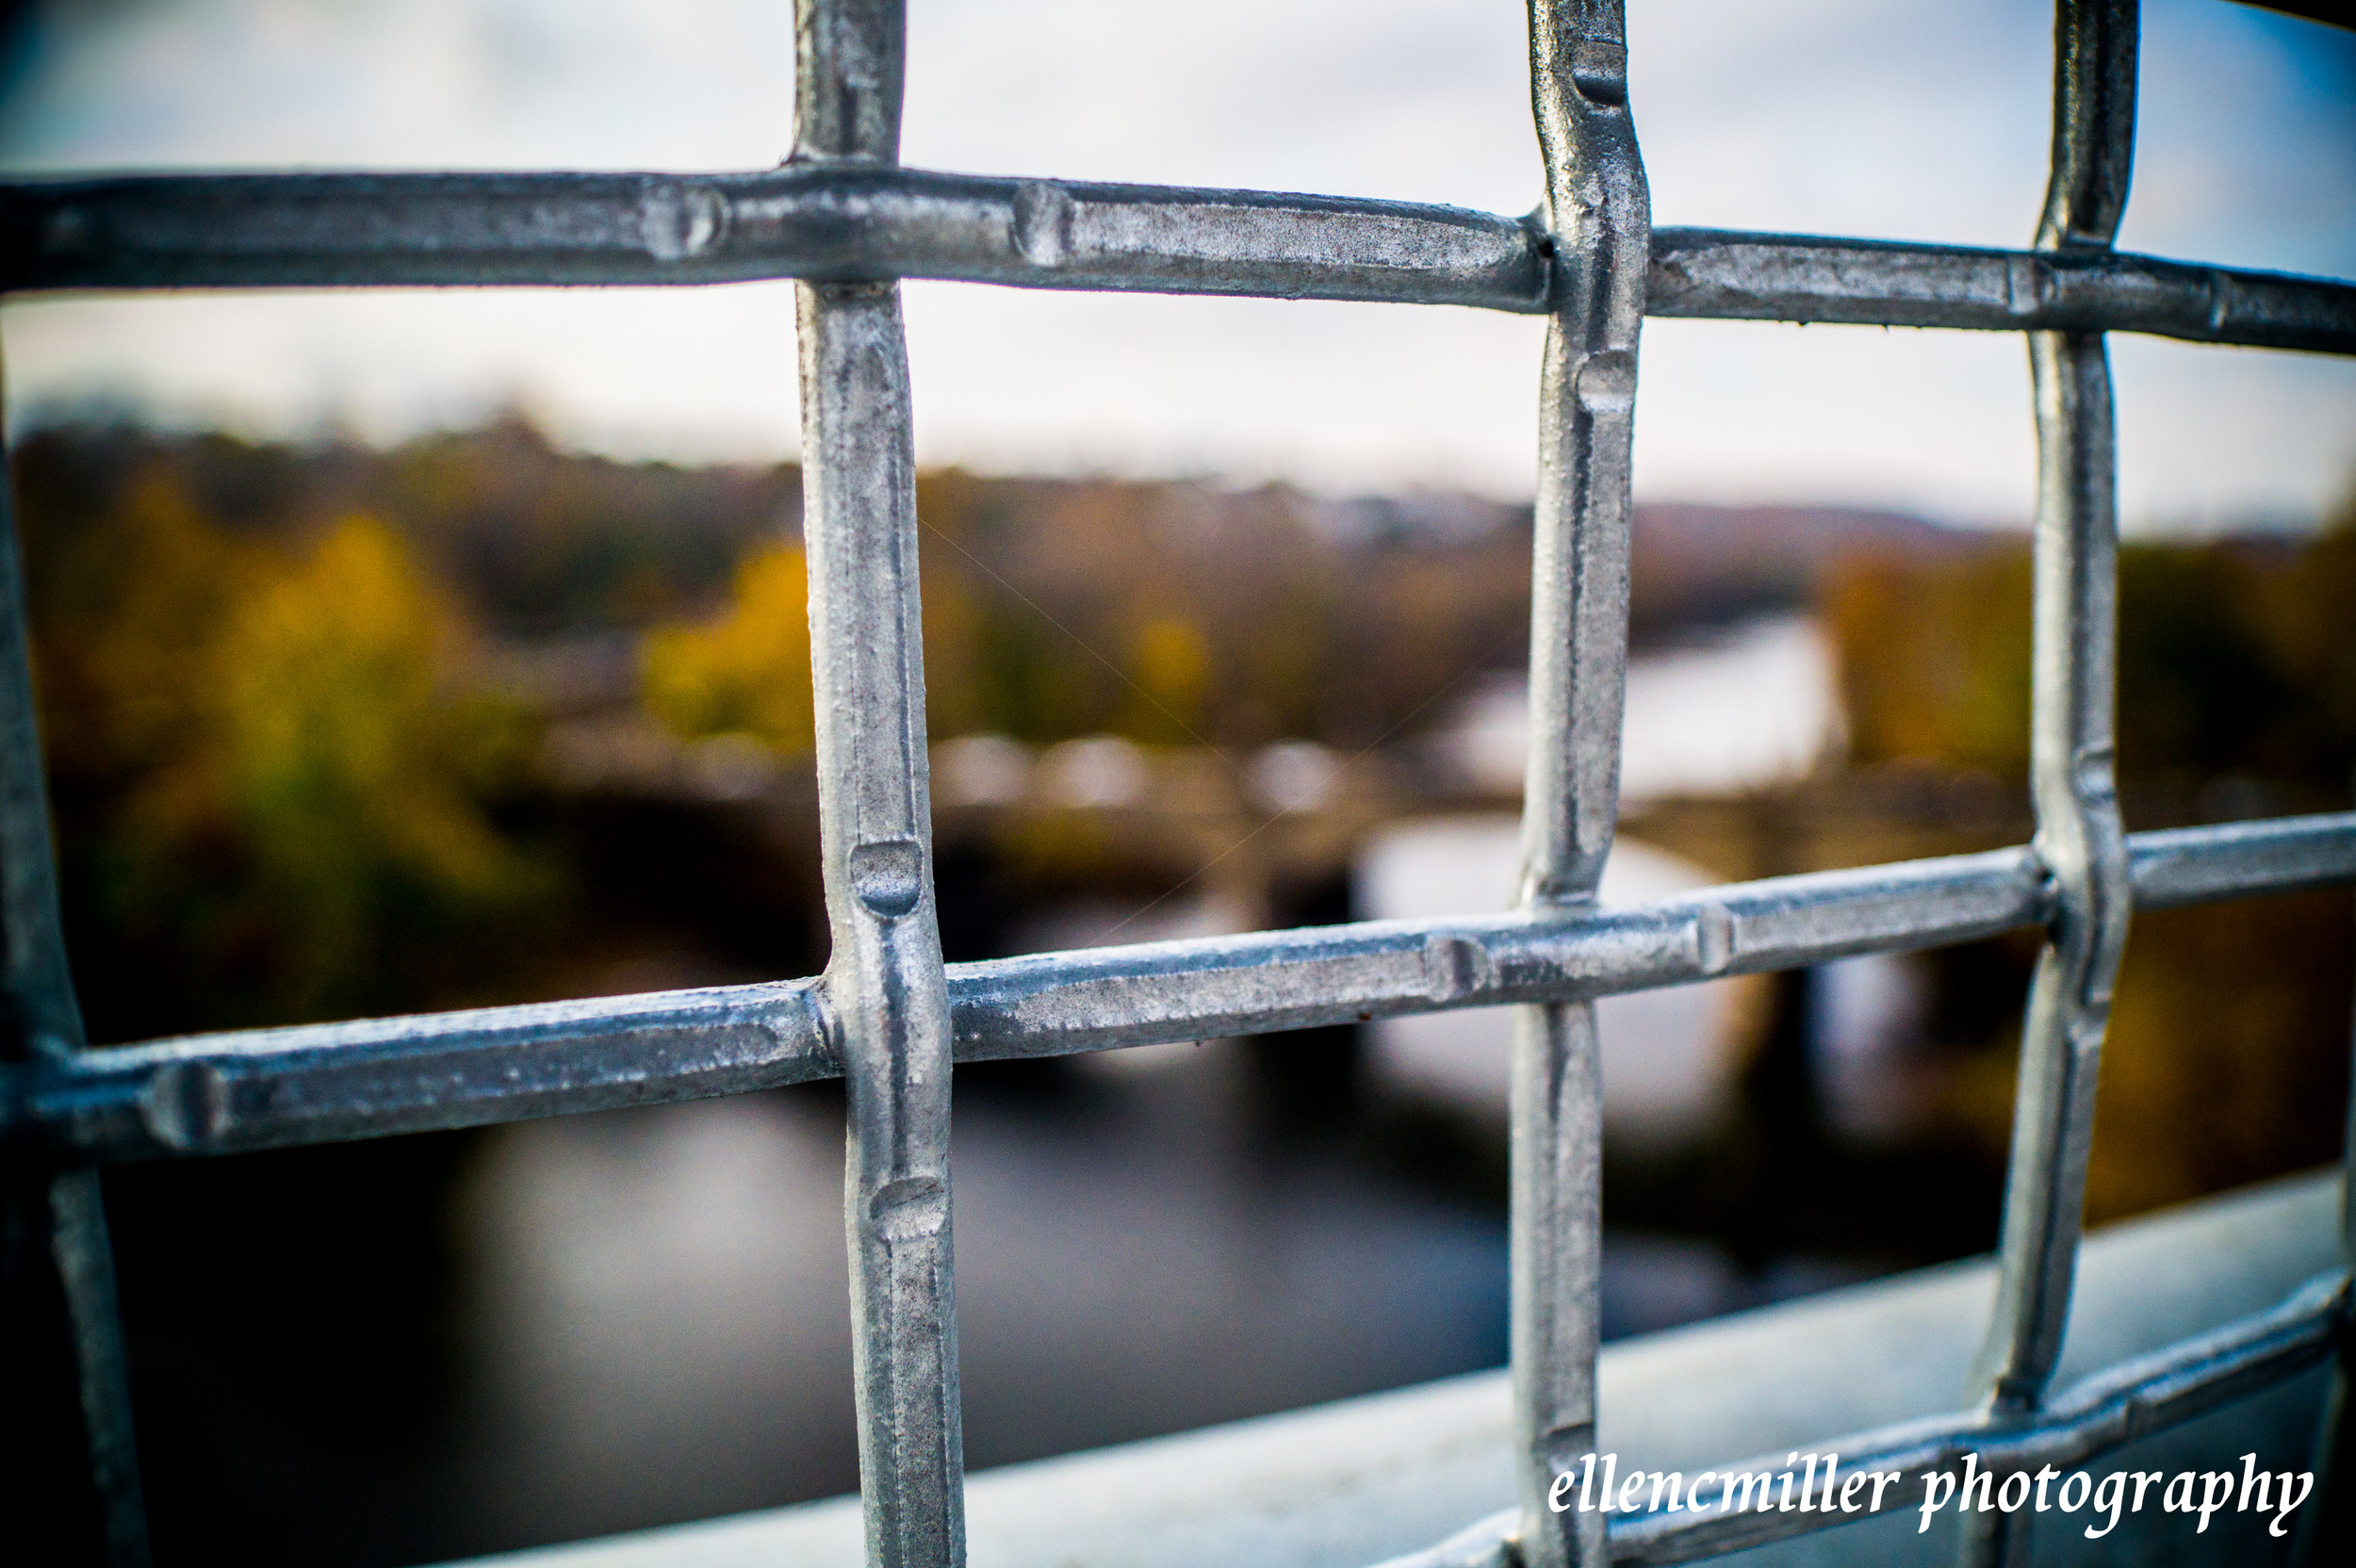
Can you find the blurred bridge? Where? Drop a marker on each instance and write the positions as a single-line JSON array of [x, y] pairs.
[[1261, 832]]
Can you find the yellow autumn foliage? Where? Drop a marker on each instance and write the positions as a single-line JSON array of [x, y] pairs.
[[2233, 656], [273, 772], [746, 673], [342, 749], [1172, 666]]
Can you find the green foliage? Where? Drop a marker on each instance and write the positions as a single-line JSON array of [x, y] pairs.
[[1027, 679]]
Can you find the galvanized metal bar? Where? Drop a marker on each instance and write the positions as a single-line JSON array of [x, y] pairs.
[[849, 65], [2072, 755], [2081, 841], [2098, 1415], [2095, 48], [2184, 866], [1597, 216], [83, 1256], [266, 1088], [2072, 748], [41, 1027], [885, 983], [318, 1083], [1721, 275], [865, 222], [891, 1016], [825, 221]]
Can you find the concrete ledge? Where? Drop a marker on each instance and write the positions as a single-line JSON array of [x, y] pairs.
[[1347, 1484]]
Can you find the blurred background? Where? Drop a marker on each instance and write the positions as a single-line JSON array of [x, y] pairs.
[[409, 651]]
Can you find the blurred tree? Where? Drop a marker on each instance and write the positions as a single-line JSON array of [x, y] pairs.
[[2304, 622], [1030, 680], [2227, 1060], [2232, 658], [120, 653], [1283, 662], [528, 539], [747, 672], [348, 760], [1934, 655], [272, 787], [1166, 612], [1172, 666], [541, 540]]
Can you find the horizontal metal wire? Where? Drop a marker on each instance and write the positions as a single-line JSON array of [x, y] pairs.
[[320, 1083], [269, 231], [1712, 273], [2104, 1413], [832, 221]]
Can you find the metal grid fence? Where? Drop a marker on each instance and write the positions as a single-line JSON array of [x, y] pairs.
[[891, 1018]]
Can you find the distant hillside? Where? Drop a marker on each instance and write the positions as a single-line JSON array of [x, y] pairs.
[[1697, 564], [540, 542], [534, 540], [1694, 565]]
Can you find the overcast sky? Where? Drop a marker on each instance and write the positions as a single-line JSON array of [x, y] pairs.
[[1910, 119]]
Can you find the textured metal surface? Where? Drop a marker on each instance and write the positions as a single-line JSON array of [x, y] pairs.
[[889, 995], [318, 1083], [2081, 837], [836, 221], [860, 220], [323, 1083], [84, 1260], [2081, 841], [40, 1028], [891, 1018], [886, 981], [1729, 276], [1599, 215]]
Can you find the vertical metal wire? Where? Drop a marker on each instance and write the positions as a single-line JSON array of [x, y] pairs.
[[849, 58], [2080, 837], [885, 983], [42, 1018], [1597, 213]]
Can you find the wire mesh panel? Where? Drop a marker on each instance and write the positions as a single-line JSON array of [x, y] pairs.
[[891, 1019]]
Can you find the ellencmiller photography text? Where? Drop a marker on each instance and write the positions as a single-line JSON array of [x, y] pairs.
[[1770, 1489]]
